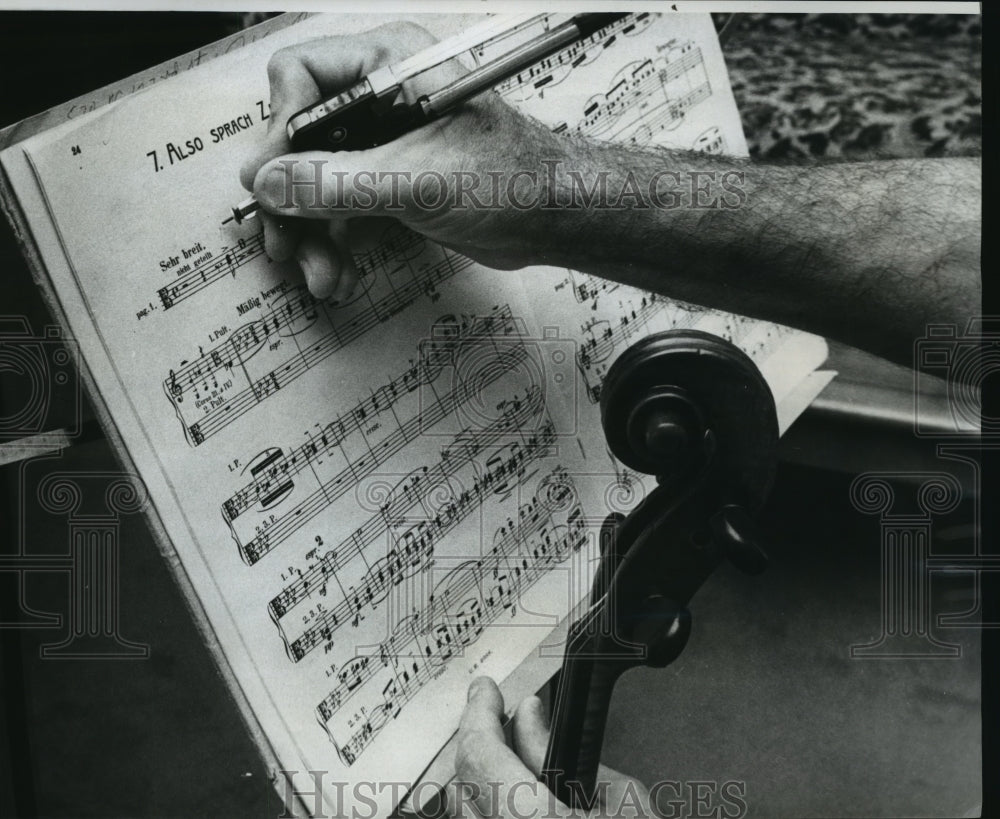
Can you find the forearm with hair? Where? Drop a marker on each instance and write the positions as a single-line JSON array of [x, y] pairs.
[[866, 253]]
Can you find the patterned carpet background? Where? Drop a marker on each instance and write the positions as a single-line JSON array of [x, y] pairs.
[[856, 86]]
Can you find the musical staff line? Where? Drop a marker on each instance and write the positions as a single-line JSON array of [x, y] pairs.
[[273, 475], [406, 432], [297, 304], [423, 643], [551, 71], [459, 453], [226, 264], [231, 258], [641, 102], [598, 347], [402, 561], [230, 359], [594, 355]]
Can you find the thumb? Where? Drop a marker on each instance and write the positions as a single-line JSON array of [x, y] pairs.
[[496, 782], [531, 734]]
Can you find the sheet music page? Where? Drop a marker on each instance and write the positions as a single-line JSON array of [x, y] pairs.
[[379, 500]]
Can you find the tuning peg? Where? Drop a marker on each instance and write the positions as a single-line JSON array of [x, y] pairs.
[[738, 537]]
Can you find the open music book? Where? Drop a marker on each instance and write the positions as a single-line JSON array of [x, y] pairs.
[[370, 503]]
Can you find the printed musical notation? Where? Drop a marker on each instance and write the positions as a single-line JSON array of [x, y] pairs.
[[470, 596], [272, 470], [294, 335], [457, 365], [607, 334], [646, 97], [423, 509], [588, 289], [710, 141], [603, 337], [551, 71], [230, 259], [217, 267]]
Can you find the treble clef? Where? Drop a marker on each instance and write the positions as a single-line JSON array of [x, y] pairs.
[[175, 388]]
